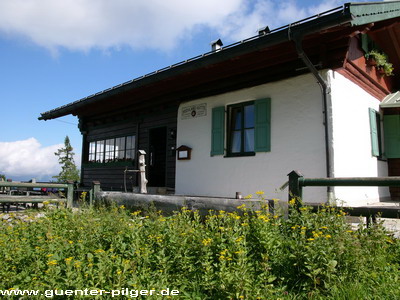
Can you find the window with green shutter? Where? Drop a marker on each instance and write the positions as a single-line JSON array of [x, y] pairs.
[[375, 130], [241, 128], [248, 128], [218, 128], [263, 125], [391, 129]]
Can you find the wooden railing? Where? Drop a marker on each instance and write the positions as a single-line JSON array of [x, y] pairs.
[[297, 182], [6, 196]]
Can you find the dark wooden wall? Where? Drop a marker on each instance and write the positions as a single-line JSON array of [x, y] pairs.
[[111, 175]]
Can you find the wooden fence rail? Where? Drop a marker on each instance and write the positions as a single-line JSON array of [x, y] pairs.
[[297, 182], [8, 198]]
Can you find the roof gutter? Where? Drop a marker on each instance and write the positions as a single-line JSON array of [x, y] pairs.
[[327, 110]]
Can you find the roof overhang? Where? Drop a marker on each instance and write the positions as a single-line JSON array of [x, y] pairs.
[[371, 12], [391, 101], [350, 15]]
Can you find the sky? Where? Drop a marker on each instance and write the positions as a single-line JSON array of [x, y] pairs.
[[53, 52]]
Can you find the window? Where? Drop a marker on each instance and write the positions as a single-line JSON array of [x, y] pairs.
[[120, 148], [92, 152], [109, 153], [241, 129], [100, 151], [112, 150], [248, 128], [130, 147], [375, 130]]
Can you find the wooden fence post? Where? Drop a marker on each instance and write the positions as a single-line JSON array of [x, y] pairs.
[[295, 188], [70, 194], [95, 189]]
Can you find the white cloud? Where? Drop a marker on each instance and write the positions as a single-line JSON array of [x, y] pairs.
[[83, 24], [157, 24], [28, 159]]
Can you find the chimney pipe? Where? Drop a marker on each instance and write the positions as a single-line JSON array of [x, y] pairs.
[[216, 45], [264, 31]]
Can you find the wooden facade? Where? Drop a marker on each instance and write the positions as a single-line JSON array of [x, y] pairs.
[[155, 132]]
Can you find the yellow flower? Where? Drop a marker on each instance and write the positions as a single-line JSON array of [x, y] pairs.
[[207, 242], [328, 236], [122, 207], [68, 260], [71, 242], [249, 196], [260, 193], [239, 239], [52, 263], [77, 264], [241, 206], [310, 239]]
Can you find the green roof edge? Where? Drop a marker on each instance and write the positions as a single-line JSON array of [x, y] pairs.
[[365, 13]]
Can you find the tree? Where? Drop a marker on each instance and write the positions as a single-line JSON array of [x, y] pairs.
[[69, 170], [2, 176]]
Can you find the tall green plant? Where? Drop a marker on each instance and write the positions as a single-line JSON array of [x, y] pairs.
[[69, 170]]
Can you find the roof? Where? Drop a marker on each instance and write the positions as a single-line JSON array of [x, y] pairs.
[[350, 14], [392, 100]]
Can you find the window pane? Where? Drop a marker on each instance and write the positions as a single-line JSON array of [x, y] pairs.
[[92, 152], [236, 118], [236, 142], [100, 151], [130, 142], [130, 147], [109, 150], [120, 148], [249, 140], [249, 116]]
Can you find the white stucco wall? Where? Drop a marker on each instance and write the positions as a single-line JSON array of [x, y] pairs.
[[352, 141], [297, 143]]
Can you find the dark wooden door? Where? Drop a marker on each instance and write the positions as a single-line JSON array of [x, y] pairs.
[[157, 156]]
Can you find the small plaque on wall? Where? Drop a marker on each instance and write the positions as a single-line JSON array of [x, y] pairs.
[[194, 111], [184, 152]]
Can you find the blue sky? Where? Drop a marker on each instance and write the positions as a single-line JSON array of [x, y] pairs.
[[54, 52]]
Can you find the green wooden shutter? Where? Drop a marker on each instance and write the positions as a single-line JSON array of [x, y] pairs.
[[391, 129], [262, 137], [218, 130], [374, 132], [365, 43]]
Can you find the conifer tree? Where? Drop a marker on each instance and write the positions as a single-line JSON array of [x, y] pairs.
[[69, 170]]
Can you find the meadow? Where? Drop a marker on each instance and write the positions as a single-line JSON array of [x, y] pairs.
[[242, 255]]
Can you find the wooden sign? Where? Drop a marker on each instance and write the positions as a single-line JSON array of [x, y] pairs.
[[184, 152], [194, 111]]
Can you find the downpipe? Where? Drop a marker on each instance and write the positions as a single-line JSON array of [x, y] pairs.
[[326, 90]]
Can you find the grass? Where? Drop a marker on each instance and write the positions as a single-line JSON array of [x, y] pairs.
[[246, 255]]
